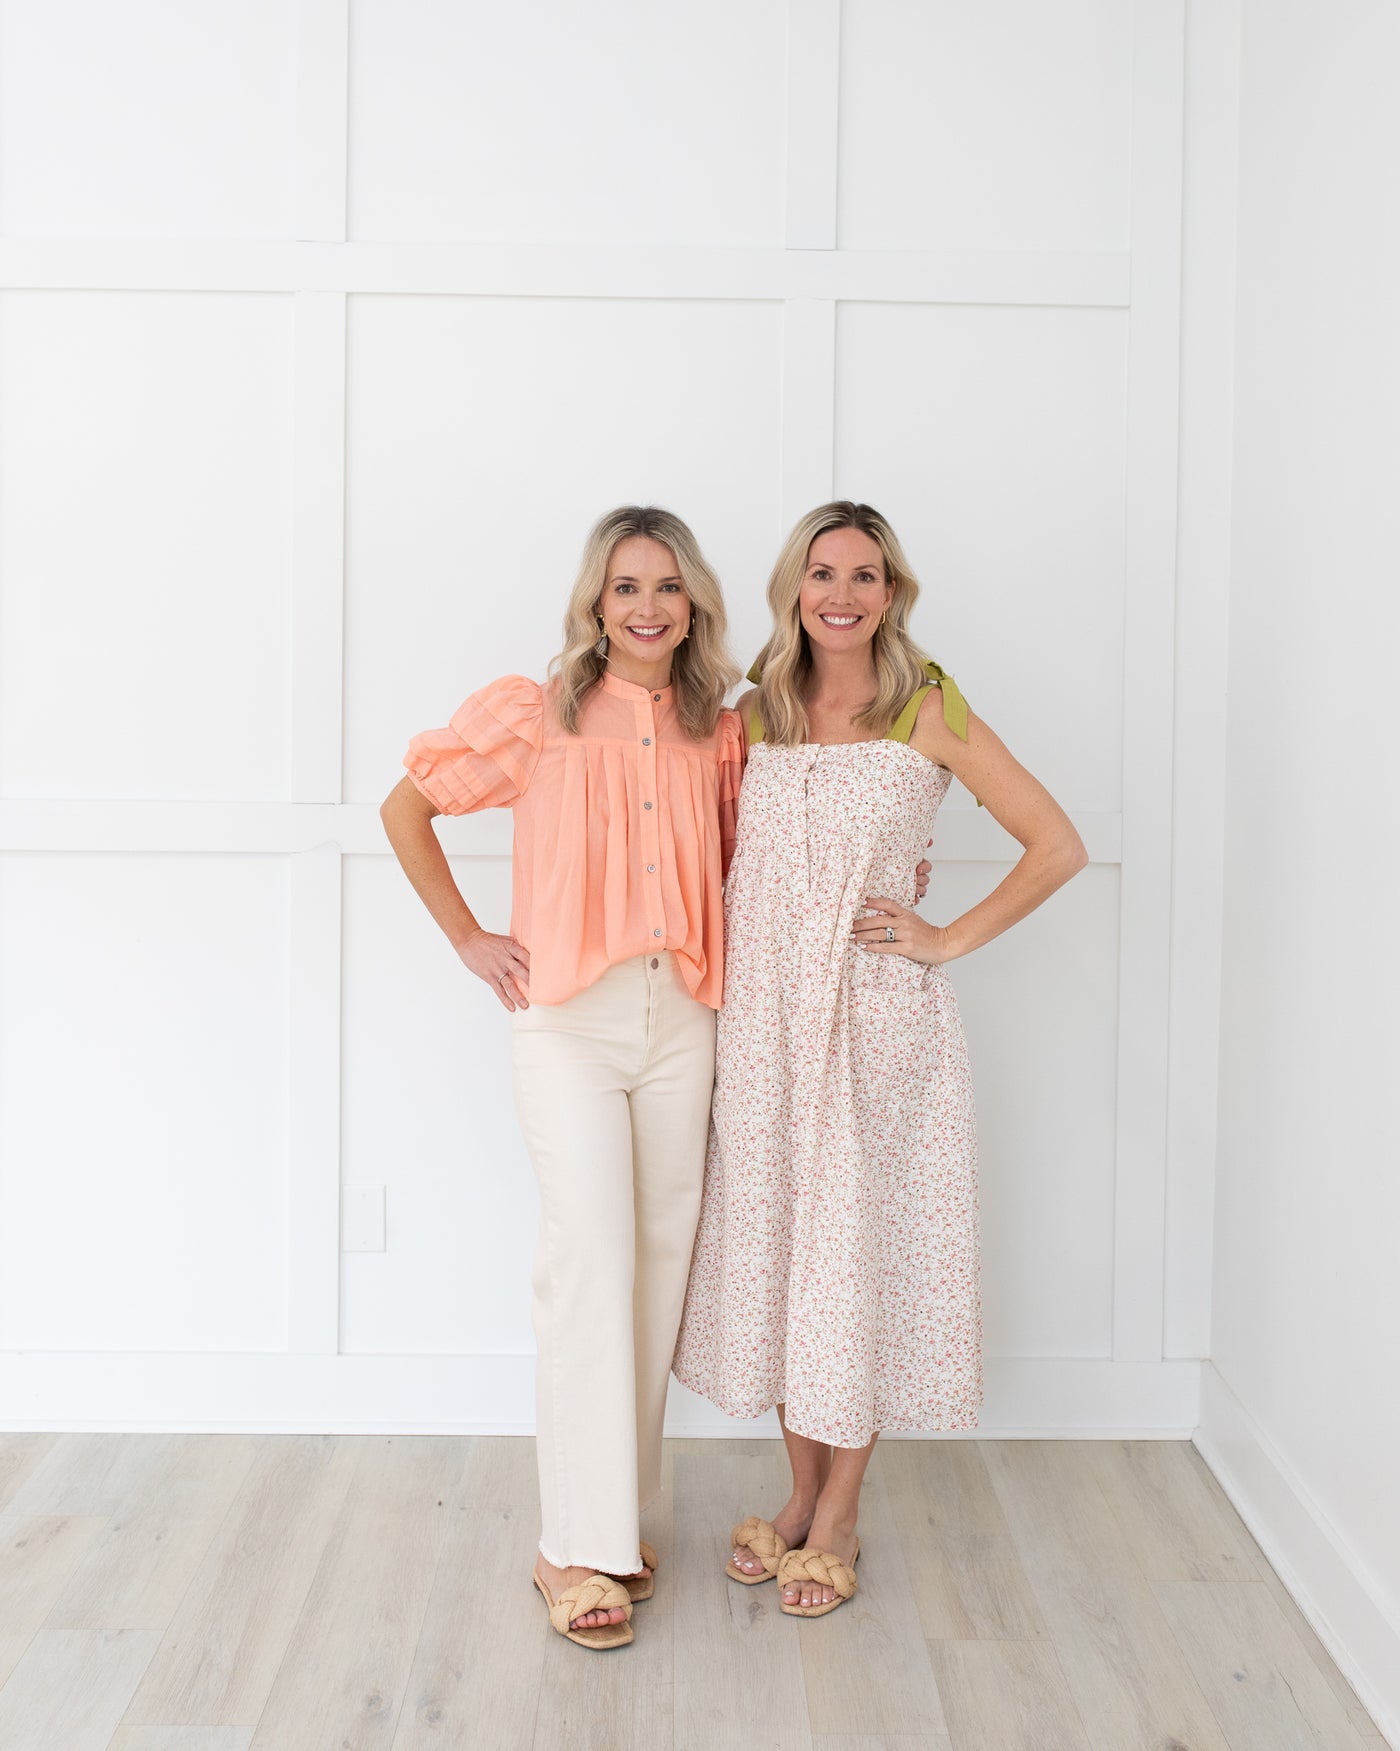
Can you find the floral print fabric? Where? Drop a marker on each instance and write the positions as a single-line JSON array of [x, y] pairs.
[[836, 1265]]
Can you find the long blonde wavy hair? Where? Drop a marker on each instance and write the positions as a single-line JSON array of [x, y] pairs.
[[702, 671], [785, 662]]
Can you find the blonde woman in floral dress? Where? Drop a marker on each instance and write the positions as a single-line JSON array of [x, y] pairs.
[[836, 1264]]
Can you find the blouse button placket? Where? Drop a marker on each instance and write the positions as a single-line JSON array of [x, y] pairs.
[[651, 821]]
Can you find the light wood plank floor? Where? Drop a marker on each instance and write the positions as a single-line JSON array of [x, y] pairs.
[[371, 1593]]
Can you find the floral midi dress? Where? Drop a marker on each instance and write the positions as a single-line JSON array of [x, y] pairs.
[[836, 1264]]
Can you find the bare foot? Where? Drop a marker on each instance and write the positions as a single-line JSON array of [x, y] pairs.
[[558, 1579], [640, 1574], [825, 1533], [790, 1524]]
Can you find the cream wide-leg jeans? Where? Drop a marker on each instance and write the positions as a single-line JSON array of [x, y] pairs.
[[613, 1092]]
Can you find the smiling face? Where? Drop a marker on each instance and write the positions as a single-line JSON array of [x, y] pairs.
[[844, 592], [645, 609]]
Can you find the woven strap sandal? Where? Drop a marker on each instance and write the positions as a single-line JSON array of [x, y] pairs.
[[597, 1593], [766, 1544], [640, 1587], [821, 1569]]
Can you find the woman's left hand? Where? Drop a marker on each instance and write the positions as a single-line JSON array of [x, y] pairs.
[[922, 870], [912, 936]]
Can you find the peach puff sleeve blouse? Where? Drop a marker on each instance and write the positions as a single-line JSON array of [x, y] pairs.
[[623, 832]]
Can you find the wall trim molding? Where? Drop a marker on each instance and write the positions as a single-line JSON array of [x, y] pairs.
[[555, 270], [314, 1393], [808, 463], [281, 828], [1149, 611], [1349, 1609]]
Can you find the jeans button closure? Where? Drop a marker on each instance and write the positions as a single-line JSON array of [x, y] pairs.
[[654, 963]]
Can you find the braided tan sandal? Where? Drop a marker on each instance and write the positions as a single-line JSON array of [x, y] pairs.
[[640, 1587], [767, 1544], [822, 1569], [597, 1593]]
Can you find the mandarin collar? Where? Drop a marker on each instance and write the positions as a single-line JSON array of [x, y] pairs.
[[633, 689]]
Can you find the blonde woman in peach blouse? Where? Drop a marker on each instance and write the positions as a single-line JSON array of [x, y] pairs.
[[623, 772]]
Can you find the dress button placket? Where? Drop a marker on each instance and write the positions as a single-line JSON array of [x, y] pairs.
[[651, 823]]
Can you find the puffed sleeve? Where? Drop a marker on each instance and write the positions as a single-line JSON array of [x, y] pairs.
[[486, 756], [733, 750]]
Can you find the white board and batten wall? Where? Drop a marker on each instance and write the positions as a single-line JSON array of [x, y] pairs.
[[301, 427]]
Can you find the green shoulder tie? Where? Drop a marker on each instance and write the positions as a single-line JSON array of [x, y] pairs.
[[954, 708]]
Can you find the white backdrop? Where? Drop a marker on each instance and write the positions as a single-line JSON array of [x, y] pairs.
[[1300, 1416], [325, 332]]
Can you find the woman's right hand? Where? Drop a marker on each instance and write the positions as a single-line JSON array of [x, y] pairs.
[[501, 963]]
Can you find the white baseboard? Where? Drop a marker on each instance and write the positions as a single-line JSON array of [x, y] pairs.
[[1354, 1619], [494, 1395]]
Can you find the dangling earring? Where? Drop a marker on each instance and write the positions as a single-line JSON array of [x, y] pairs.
[[601, 648], [689, 629]]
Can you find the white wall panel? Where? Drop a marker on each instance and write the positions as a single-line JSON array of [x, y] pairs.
[[993, 440], [143, 1044], [1039, 1011], [429, 1116], [152, 118], [1005, 125], [1305, 1327], [145, 544], [251, 541], [1199, 816], [485, 438], [640, 123]]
